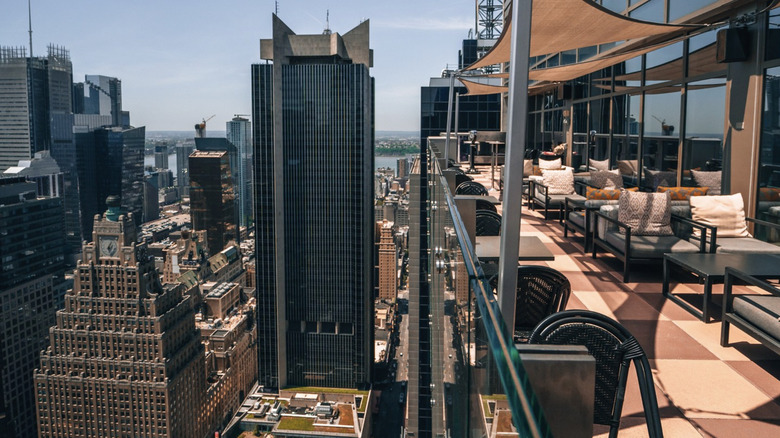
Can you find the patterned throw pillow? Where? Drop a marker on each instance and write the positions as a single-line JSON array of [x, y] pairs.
[[605, 194], [727, 212], [606, 179], [598, 165], [683, 193], [559, 182], [708, 179], [550, 164], [648, 214], [769, 194]]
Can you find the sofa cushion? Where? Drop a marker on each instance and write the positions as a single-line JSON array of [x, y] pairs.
[[558, 200], [598, 165], [606, 179], [559, 182], [628, 167], [712, 180], [577, 217], [651, 247], [744, 245], [727, 212], [761, 310], [648, 214], [683, 193]]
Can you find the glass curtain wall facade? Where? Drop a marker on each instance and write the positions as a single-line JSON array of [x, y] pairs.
[[314, 143]]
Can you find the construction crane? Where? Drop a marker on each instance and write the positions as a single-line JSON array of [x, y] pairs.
[[200, 128], [665, 129]]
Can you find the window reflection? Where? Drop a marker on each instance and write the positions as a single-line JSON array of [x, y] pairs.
[[661, 137], [703, 144], [768, 206], [625, 141]]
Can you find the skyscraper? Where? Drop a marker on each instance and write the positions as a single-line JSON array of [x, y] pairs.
[[100, 94], [31, 286], [313, 134], [36, 115], [238, 133], [125, 358], [183, 151], [32, 91], [212, 198]]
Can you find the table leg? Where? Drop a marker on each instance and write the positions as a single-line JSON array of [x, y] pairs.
[[707, 298], [666, 278]]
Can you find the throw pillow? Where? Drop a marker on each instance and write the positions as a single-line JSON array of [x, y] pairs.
[[628, 167], [708, 179], [606, 179], [683, 193], [648, 214], [655, 178], [727, 212], [605, 194], [769, 194], [550, 164], [528, 168], [598, 165], [559, 182]]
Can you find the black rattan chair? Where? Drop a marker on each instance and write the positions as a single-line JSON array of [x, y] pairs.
[[460, 177], [614, 348], [488, 223], [471, 188], [541, 291], [484, 204]]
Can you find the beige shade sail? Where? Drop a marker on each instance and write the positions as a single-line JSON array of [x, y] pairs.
[[559, 25], [477, 89], [699, 62]]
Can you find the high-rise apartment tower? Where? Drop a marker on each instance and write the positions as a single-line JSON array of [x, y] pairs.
[[313, 131]]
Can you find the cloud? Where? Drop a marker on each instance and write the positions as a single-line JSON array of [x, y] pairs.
[[425, 24]]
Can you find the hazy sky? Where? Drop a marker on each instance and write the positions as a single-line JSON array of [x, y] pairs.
[[181, 61]]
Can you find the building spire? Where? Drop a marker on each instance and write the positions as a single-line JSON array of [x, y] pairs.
[[29, 25], [327, 23]]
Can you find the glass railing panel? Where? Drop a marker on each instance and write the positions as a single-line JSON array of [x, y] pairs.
[[480, 384]]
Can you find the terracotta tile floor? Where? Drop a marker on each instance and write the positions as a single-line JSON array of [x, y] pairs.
[[704, 390]]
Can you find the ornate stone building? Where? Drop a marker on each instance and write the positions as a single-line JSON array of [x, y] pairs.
[[125, 358]]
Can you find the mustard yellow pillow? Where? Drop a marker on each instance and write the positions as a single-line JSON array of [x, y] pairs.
[[605, 194], [683, 193]]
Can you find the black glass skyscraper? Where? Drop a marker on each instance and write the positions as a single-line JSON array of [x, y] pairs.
[[313, 139]]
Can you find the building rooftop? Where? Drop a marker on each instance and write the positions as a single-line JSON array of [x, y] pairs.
[[703, 389]]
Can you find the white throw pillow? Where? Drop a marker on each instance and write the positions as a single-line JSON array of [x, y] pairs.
[[559, 182], [528, 168], [628, 167], [727, 212], [550, 164], [598, 165]]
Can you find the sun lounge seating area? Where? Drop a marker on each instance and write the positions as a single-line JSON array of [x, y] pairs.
[[704, 386]]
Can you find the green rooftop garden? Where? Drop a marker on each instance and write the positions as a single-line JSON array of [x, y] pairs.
[[296, 423]]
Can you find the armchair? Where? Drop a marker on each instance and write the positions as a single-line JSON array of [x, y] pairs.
[[639, 242]]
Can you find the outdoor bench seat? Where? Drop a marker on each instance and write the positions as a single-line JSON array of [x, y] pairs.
[[756, 315]]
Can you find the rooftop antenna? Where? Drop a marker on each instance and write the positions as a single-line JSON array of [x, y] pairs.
[[29, 23], [327, 23], [277, 7]]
